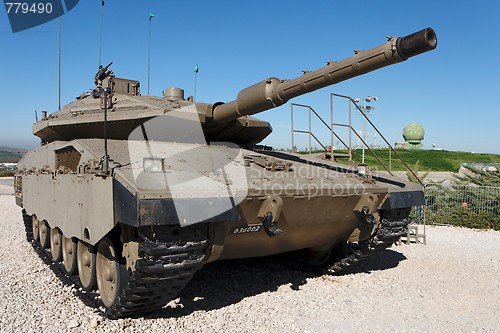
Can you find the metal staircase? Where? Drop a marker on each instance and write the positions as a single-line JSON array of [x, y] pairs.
[[329, 152]]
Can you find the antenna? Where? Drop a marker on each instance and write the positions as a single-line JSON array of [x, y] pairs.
[[100, 34], [151, 15], [59, 57], [36, 116], [104, 93]]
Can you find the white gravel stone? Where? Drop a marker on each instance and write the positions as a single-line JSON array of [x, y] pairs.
[[73, 323], [449, 285]]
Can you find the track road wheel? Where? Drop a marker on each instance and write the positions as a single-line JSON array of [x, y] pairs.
[[111, 274], [44, 231], [35, 228], [318, 259], [56, 244], [86, 258], [69, 249]]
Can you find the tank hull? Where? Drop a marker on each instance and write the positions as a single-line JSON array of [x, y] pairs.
[[165, 209], [320, 203]]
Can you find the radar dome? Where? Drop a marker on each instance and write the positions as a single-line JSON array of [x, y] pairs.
[[413, 133]]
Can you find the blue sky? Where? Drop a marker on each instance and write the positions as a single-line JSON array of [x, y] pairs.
[[453, 91]]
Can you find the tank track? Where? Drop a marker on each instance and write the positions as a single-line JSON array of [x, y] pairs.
[[90, 299], [167, 261], [388, 233]]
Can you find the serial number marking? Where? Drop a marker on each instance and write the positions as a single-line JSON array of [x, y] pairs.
[[246, 230], [25, 8]]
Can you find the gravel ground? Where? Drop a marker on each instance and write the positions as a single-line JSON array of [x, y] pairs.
[[6, 185], [451, 284]]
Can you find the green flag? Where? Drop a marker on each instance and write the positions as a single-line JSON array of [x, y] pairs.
[[196, 68], [151, 15]]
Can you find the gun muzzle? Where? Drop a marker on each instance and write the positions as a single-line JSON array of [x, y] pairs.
[[416, 43]]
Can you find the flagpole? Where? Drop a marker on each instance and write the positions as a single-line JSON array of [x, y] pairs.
[[151, 15], [100, 35], [149, 54], [195, 80], [196, 69]]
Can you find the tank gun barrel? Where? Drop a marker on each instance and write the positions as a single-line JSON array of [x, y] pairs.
[[274, 92]]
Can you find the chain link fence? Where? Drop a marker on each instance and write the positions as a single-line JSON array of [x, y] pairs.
[[463, 205]]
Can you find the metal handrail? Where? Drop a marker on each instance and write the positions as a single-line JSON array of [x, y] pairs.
[[363, 141], [310, 132], [351, 130], [381, 135], [314, 136]]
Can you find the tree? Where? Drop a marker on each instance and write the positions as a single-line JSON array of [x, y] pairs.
[[415, 169], [480, 177]]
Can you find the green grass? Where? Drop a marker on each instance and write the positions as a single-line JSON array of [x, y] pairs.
[[429, 160]]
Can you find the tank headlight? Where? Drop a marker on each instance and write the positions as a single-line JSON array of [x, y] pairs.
[[153, 164]]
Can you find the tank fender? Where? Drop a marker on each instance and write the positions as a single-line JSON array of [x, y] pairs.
[[137, 210], [404, 199]]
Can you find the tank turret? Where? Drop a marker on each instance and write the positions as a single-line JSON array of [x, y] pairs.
[[230, 122]]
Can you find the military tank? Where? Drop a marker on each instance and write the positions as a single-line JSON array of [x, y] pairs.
[[134, 194]]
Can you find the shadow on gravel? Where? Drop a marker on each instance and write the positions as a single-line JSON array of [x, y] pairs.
[[223, 283], [384, 260]]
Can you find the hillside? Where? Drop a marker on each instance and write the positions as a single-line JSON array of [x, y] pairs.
[[429, 160], [9, 156]]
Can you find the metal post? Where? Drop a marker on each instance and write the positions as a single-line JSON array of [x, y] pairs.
[[364, 130], [424, 215], [331, 126], [310, 131], [364, 111], [350, 131], [390, 160], [105, 163]]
